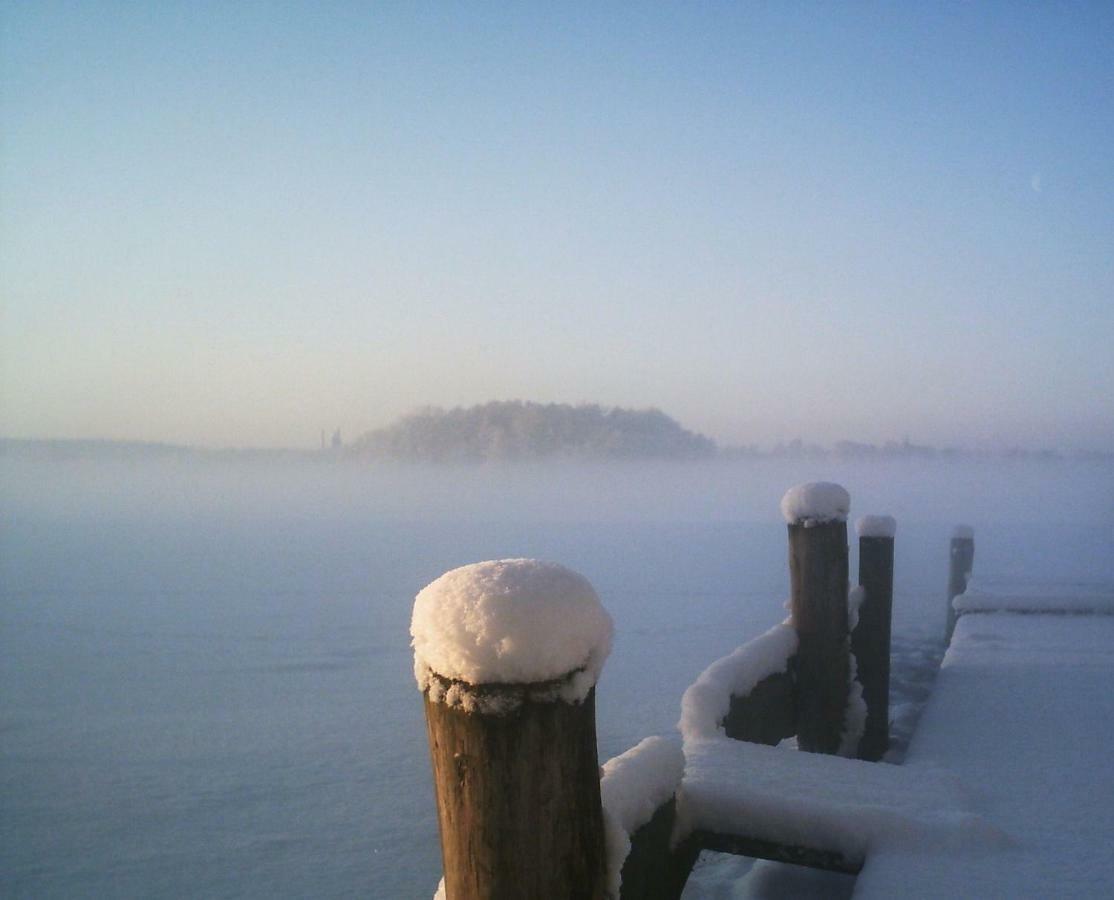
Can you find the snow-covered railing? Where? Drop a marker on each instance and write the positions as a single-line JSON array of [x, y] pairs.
[[748, 694], [762, 693], [507, 654], [811, 675], [802, 678], [820, 810]]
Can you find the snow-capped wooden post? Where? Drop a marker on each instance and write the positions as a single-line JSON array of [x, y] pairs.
[[870, 636], [507, 654], [959, 570], [816, 514]]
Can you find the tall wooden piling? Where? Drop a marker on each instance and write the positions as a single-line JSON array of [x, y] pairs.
[[961, 564], [870, 640], [818, 600], [518, 800], [507, 653]]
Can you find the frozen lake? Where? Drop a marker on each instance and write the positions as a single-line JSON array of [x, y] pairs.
[[205, 677]]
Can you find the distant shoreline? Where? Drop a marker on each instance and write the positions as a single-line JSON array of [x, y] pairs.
[[74, 449]]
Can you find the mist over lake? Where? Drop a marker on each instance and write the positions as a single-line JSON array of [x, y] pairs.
[[206, 684]]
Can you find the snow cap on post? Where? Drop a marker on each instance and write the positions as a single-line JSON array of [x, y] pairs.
[[963, 532], [876, 527], [510, 622], [815, 503]]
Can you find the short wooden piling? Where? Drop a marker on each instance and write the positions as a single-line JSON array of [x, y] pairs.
[[518, 799], [961, 564], [818, 585], [870, 640]]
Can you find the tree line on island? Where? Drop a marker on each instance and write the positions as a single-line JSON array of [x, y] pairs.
[[518, 430]]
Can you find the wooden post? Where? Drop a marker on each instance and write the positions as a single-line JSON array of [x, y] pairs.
[[870, 641], [507, 653], [518, 799], [818, 583], [962, 561]]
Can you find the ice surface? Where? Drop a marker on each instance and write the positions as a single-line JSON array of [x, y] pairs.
[[633, 786], [815, 503], [707, 701], [1022, 710], [876, 526], [512, 621]]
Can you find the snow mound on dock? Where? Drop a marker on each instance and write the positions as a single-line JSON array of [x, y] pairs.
[[510, 621]]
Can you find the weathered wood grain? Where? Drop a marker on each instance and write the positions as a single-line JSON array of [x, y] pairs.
[[870, 642], [818, 599], [518, 801]]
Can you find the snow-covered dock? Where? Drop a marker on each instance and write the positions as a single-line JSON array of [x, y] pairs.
[[1022, 714], [1006, 788]]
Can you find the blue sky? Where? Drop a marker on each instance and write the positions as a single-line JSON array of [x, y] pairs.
[[234, 224]]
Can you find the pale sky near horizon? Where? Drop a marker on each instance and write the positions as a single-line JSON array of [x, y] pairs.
[[236, 224]]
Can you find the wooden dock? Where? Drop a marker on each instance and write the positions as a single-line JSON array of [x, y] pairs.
[[1006, 790]]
